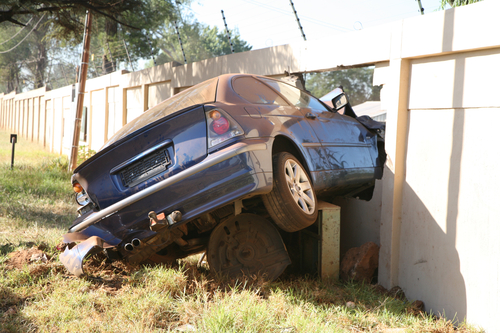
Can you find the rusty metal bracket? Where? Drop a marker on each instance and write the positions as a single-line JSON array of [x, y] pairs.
[[158, 222]]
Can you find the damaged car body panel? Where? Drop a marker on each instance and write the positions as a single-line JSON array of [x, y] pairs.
[[209, 157]]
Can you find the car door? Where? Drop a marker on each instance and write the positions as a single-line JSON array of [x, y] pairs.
[[285, 118], [346, 142]]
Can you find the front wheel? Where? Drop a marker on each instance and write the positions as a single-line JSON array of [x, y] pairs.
[[292, 203]]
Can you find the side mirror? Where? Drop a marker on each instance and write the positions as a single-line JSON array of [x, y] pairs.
[[339, 101]]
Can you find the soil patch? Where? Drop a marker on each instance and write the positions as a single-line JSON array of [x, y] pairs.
[[22, 258], [106, 274]]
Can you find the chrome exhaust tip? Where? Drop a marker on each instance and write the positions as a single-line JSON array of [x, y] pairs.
[[136, 242], [129, 247]]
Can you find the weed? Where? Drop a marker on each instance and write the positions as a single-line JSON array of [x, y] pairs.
[[84, 153]]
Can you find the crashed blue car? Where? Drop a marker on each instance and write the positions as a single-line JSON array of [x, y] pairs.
[[219, 168]]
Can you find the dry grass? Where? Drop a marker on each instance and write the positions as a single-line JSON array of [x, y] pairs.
[[37, 294]]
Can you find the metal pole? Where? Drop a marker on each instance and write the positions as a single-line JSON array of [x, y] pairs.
[[180, 41], [81, 91], [298, 21], [420, 8], [151, 48], [128, 56], [13, 140], [227, 32]]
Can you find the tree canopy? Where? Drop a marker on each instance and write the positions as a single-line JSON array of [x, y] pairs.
[[65, 13], [457, 3], [199, 42], [40, 41], [357, 83]]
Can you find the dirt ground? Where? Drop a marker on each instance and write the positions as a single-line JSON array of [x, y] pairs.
[[98, 268], [21, 259], [112, 276]]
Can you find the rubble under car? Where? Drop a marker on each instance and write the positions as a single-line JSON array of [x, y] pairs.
[[207, 169]]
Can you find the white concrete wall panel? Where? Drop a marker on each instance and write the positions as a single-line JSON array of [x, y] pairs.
[[449, 227], [36, 118], [159, 92], [98, 118], [31, 119], [115, 112], [455, 30], [68, 125], [50, 125], [462, 80], [43, 123], [449, 230], [58, 124], [135, 106]]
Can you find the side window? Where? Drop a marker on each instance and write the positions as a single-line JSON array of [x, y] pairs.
[[256, 92], [296, 96]]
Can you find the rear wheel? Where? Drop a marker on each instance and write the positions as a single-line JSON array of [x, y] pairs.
[[247, 244], [292, 203]]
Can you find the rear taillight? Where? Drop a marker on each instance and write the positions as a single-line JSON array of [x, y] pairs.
[[221, 127]]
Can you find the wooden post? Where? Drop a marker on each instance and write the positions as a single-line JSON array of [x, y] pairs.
[[81, 92], [329, 232]]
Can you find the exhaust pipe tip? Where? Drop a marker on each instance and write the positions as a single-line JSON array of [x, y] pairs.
[[129, 247], [136, 242]]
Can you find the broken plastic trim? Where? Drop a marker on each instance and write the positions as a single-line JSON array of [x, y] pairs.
[[73, 258]]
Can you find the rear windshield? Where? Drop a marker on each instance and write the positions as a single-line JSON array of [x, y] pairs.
[[199, 94], [256, 92]]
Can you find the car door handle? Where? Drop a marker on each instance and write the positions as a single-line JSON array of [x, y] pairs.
[[309, 115]]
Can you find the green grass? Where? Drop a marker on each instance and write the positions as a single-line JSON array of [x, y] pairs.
[[35, 196], [36, 208]]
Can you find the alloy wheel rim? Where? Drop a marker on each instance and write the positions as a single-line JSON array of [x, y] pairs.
[[300, 187]]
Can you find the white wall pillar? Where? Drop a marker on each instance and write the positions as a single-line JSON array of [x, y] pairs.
[[394, 170]]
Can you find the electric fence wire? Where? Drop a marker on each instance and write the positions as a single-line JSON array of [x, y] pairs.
[[17, 33], [36, 25]]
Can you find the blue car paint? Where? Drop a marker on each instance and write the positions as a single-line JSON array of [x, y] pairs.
[[239, 176], [340, 165], [187, 131]]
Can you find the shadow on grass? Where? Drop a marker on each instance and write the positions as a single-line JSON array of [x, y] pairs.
[[23, 215], [11, 319]]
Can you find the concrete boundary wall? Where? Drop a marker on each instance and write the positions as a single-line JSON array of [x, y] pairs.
[[434, 213]]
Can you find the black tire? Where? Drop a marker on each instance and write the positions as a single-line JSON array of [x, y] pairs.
[[247, 244], [292, 203]]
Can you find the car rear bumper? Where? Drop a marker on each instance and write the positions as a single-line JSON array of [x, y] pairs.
[[253, 150]]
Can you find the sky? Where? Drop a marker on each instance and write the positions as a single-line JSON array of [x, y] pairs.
[[268, 23]]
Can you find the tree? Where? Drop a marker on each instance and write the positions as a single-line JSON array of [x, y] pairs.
[[54, 42], [12, 76], [149, 19], [51, 51], [66, 14], [199, 42], [39, 48], [457, 3], [357, 83]]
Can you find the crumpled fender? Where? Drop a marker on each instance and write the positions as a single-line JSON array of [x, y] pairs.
[[73, 258], [371, 124]]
